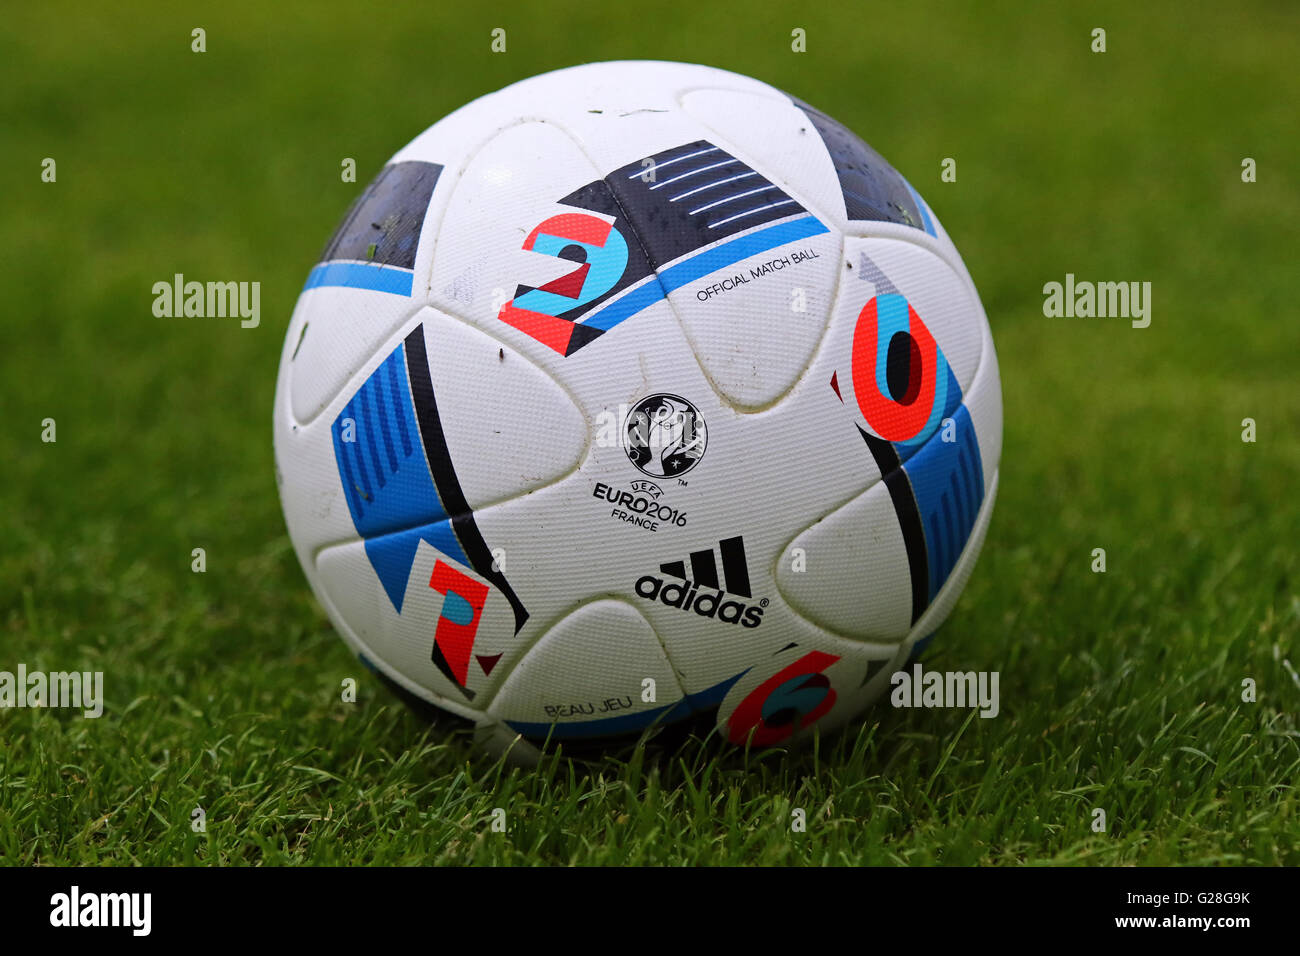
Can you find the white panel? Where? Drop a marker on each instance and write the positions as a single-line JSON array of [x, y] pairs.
[[856, 581], [590, 668], [755, 326], [509, 427], [343, 328]]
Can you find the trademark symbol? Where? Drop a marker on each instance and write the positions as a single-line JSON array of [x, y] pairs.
[[682, 481], [764, 603]]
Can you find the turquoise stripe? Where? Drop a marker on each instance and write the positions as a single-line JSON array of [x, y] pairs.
[[361, 275]]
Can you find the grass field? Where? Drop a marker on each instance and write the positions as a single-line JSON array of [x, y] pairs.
[[1120, 691]]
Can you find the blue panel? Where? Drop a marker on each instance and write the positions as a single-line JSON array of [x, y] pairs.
[[386, 479], [947, 480]]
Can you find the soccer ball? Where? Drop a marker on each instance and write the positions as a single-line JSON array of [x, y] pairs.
[[637, 392]]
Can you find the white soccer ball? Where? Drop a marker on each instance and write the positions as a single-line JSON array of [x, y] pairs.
[[636, 392]]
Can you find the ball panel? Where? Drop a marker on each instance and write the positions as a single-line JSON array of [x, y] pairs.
[[879, 268], [587, 678], [848, 573], [984, 401], [776, 136], [509, 427], [791, 691], [755, 325], [371, 275], [337, 331], [312, 492], [946, 599], [512, 260], [454, 634], [620, 106]]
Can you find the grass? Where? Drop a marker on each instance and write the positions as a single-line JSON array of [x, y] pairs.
[[1120, 690]]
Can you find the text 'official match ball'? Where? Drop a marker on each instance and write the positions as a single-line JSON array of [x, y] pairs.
[[632, 393]]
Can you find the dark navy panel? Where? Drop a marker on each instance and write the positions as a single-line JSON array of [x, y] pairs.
[[872, 189], [688, 197], [383, 226]]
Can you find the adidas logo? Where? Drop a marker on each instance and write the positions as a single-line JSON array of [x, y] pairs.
[[702, 591]]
